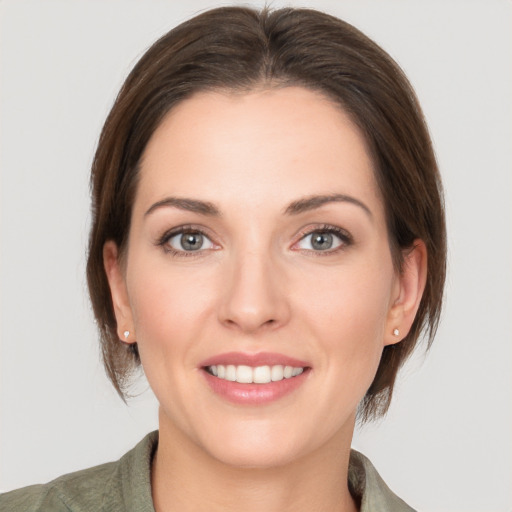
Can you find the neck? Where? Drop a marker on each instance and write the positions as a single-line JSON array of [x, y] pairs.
[[184, 478]]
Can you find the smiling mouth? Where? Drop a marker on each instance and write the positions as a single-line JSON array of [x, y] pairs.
[[254, 375]]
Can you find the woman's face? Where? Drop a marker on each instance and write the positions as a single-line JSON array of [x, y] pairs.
[[258, 242]]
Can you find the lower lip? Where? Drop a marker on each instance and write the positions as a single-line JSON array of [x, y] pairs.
[[254, 394]]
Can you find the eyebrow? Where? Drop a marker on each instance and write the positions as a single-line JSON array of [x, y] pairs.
[[313, 202], [183, 203], [296, 207]]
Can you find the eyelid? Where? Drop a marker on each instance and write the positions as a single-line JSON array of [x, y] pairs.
[[163, 240], [345, 237]]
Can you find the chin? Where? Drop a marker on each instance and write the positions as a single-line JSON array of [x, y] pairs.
[[259, 445], [256, 456]]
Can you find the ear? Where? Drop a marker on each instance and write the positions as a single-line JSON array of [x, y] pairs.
[[119, 292], [408, 290]]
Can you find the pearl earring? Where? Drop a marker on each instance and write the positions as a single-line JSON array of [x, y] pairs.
[[396, 332], [126, 334]]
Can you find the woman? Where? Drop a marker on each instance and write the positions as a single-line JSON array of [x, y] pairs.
[[268, 241]]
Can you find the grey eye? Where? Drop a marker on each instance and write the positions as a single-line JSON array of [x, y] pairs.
[[320, 241], [190, 241]]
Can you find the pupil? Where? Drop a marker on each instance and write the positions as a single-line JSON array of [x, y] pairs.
[[192, 241], [321, 241]]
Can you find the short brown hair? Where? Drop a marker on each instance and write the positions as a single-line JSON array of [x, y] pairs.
[[239, 49]]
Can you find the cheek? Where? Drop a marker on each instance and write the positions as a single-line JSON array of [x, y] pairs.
[[174, 312], [168, 306], [355, 299], [347, 311]]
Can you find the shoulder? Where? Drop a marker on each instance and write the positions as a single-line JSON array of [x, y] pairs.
[[366, 483], [108, 487], [60, 494]]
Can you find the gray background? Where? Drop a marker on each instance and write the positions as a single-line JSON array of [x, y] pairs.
[[446, 444]]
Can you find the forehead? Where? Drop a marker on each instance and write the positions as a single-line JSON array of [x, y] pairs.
[[262, 146]]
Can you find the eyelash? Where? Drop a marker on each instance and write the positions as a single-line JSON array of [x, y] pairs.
[[163, 241], [343, 235]]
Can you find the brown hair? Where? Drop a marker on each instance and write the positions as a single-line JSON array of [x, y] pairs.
[[238, 49]]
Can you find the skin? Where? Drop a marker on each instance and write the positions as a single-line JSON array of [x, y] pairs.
[[258, 285]]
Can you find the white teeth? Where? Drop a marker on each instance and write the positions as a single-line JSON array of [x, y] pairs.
[[258, 375], [231, 372], [297, 371], [277, 373], [261, 375], [244, 374]]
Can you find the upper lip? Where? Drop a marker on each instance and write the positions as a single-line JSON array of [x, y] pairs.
[[257, 359]]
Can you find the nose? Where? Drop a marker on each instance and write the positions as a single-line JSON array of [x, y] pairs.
[[255, 296]]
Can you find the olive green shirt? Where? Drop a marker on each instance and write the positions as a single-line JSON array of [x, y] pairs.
[[125, 486]]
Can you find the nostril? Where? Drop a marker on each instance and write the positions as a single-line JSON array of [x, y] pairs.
[[251, 324]]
